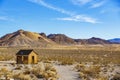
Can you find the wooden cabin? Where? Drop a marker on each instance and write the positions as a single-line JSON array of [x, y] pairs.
[[27, 57]]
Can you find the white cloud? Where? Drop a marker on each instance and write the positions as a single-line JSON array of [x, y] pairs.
[[4, 18], [90, 3], [80, 2], [73, 17], [98, 4], [81, 18], [41, 2]]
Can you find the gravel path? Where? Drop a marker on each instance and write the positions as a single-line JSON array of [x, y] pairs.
[[66, 72]]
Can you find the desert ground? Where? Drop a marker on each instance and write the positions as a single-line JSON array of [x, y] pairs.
[[88, 62]]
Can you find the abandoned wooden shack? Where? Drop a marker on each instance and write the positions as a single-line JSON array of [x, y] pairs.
[[27, 57]]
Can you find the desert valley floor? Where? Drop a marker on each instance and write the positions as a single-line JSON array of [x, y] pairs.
[[63, 63]]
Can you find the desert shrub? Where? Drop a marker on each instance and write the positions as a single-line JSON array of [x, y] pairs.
[[92, 71], [80, 67], [40, 70], [50, 72], [18, 67], [37, 72], [98, 72], [22, 76], [6, 73], [44, 70], [102, 78], [116, 77], [4, 70], [88, 71]]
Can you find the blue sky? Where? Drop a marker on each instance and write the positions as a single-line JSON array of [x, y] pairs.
[[75, 18]]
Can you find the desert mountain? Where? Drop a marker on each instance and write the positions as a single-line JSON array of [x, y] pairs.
[[115, 40], [32, 39], [61, 39], [43, 34], [25, 38], [92, 40]]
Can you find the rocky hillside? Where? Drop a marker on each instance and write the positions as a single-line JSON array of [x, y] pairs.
[[65, 40], [25, 38], [92, 40], [115, 40], [32, 39], [61, 39]]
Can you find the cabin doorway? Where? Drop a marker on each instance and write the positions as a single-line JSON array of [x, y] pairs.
[[33, 59]]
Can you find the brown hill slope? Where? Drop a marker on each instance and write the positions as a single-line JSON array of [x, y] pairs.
[[61, 39], [32, 39], [25, 38], [65, 40], [92, 40]]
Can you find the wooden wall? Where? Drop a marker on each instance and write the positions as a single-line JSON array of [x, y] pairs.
[[30, 60], [27, 59]]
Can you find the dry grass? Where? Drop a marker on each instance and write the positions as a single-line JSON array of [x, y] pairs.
[[29, 72], [88, 71], [72, 56], [116, 77], [98, 71], [96, 55]]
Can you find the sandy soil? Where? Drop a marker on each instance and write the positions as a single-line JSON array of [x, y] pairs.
[[66, 72]]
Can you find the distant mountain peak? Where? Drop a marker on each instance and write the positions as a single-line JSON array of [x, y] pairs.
[[20, 30], [95, 38], [115, 40], [61, 39], [27, 38]]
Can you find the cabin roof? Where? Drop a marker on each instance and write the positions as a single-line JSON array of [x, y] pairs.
[[25, 52]]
